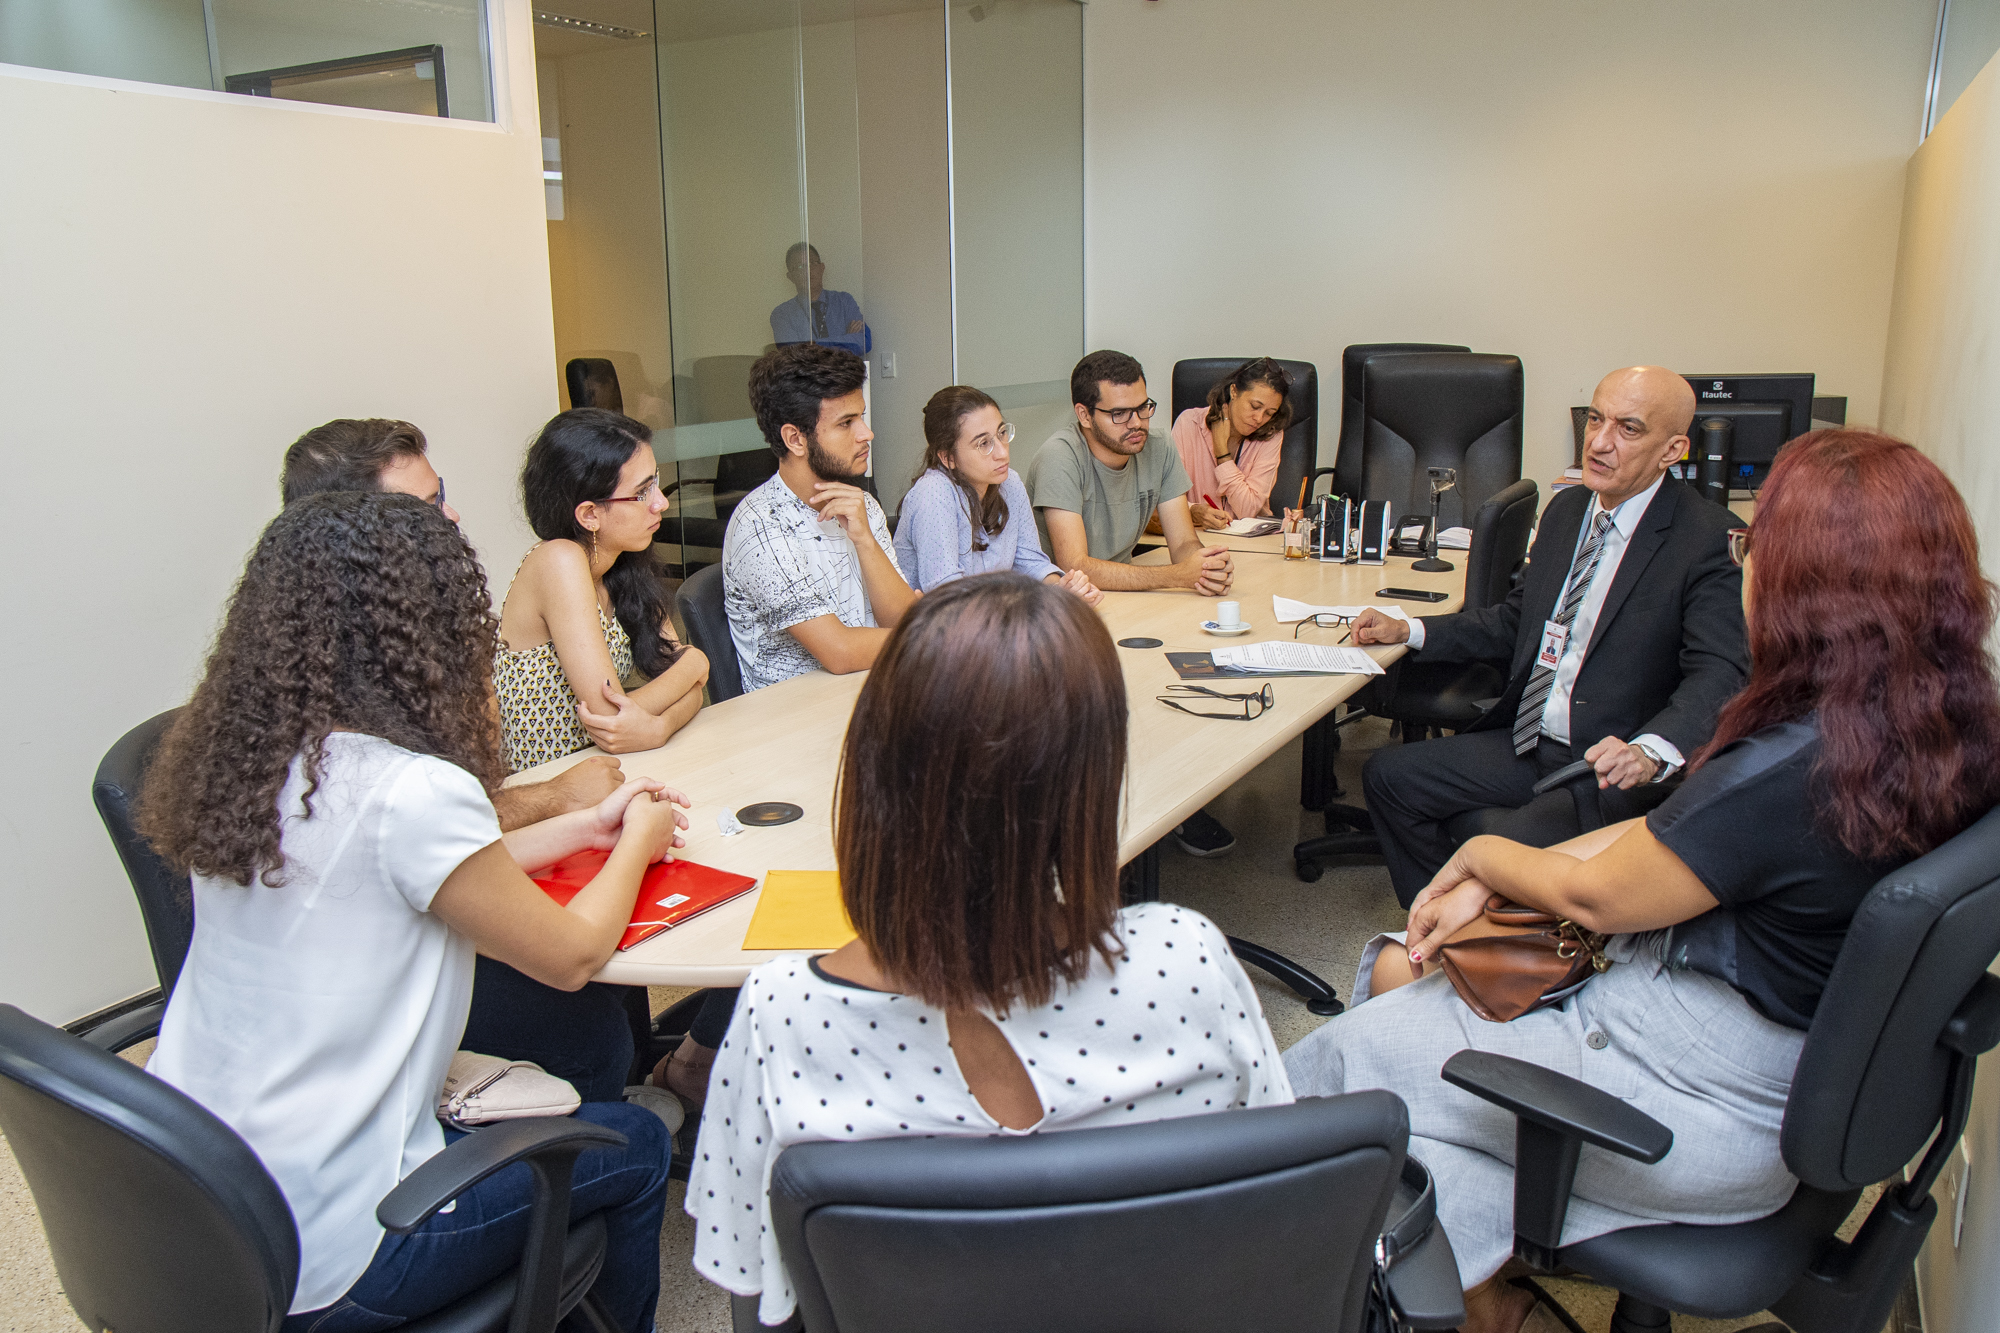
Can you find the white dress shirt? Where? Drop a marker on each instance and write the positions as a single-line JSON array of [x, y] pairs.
[[1555, 713]]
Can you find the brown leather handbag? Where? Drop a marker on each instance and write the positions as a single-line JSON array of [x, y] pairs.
[[1544, 962]]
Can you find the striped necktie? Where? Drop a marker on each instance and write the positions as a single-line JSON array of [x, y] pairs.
[[1528, 722]]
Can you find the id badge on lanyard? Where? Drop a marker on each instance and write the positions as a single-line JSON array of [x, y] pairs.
[[1555, 638]]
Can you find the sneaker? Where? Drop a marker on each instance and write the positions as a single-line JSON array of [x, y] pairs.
[[660, 1102], [1204, 835]]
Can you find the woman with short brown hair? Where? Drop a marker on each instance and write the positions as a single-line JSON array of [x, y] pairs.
[[996, 987]]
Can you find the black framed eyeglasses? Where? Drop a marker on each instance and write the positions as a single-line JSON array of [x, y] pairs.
[[648, 488], [1122, 416], [1326, 620], [1252, 706]]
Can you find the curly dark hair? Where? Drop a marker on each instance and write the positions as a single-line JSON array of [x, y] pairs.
[[1246, 377], [360, 612], [788, 384]]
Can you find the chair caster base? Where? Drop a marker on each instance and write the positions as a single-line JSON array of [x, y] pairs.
[[1326, 1007], [1309, 871]]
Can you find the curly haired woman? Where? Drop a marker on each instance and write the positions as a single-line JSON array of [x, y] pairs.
[[329, 790], [1867, 734]]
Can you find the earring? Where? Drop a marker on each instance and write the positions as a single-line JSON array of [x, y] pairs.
[[593, 545]]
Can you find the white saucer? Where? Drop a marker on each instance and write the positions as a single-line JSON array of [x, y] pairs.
[[1243, 627]]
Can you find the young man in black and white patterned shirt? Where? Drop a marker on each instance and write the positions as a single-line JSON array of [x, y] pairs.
[[809, 577]]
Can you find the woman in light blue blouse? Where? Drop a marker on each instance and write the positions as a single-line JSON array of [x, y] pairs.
[[967, 513]]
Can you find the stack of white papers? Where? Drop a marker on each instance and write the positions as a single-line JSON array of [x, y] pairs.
[[1246, 527], [1278, 657], [1455, 539], [1286, 611]]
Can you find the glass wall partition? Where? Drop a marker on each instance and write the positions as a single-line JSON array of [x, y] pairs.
[[1968, 35], [1017, 207], [806, 158], [427, 59]]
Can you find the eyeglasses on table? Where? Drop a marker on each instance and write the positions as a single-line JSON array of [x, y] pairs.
[[1326, 620], [1252, 705]]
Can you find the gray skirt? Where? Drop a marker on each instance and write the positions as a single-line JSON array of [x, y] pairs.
[[1683, 1047]]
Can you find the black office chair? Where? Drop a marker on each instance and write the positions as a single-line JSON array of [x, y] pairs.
[[1890, 1057], [593, 382], [700, 603], [1450, 696], [736, 475], [166, 901], [1423, 696], [161, 1218], [1263, 1218], [1298, 455], [1460, 410], [1347, 454]]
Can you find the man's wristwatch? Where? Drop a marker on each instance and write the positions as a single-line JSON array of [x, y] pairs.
[[1660, 765]]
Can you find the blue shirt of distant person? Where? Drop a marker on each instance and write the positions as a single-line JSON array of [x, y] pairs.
[[816, 315]]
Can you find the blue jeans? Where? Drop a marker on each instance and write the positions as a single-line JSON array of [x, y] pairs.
[[455, 1253]]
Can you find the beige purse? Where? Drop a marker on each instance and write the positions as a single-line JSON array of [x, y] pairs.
[[481, 1089]]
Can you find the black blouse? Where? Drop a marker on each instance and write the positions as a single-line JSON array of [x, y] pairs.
[[1743, 823]]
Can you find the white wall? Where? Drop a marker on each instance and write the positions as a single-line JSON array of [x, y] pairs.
[[1712, 184], [198, 279], [1941, 390]]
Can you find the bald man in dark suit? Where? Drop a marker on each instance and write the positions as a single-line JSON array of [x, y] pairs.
[[1621, 645]]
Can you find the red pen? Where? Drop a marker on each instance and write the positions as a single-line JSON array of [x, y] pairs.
[[1211, 502]]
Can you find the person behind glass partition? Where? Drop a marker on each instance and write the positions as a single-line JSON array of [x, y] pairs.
[[968, 512], [817, 315]]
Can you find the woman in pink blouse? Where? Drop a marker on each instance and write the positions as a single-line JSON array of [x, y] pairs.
[[1230, 448]]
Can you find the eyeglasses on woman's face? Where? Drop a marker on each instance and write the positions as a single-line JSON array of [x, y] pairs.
[[647, 491], [1248, 707], [1122, 416], [439, 501], [1739, 544], [986, 442], [1326, 621]]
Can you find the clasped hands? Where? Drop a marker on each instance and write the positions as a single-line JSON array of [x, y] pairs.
[[642, 808], [1208, 571]]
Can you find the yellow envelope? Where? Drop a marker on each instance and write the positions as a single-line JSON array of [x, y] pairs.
[[799, 909]]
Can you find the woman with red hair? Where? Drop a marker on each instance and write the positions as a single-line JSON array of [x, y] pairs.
[[1868, 734]]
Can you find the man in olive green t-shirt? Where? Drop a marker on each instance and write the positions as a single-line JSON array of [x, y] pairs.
[[1096, 483]]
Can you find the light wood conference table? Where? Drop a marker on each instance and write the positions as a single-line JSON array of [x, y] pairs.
[[783, 743]]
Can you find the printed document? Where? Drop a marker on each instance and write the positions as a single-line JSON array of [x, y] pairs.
[[1279, 657]]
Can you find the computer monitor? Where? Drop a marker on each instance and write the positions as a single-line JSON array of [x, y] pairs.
[[1764, 411]]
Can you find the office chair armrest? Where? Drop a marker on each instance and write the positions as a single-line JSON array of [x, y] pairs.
[[1554, 1116], [1558, 1102], [127, 1029], [1974, 1027], [1425, 1286], [552, 1141], [1312, 479], [1563, 776]]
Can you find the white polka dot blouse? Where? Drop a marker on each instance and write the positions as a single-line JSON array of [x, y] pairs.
[[1174, 1029]]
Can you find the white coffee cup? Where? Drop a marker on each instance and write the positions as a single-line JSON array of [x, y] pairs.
[[1229, 614]]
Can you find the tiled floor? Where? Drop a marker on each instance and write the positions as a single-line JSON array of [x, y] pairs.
[[1252, 893]]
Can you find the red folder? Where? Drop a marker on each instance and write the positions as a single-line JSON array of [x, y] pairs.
[[671, 891]]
